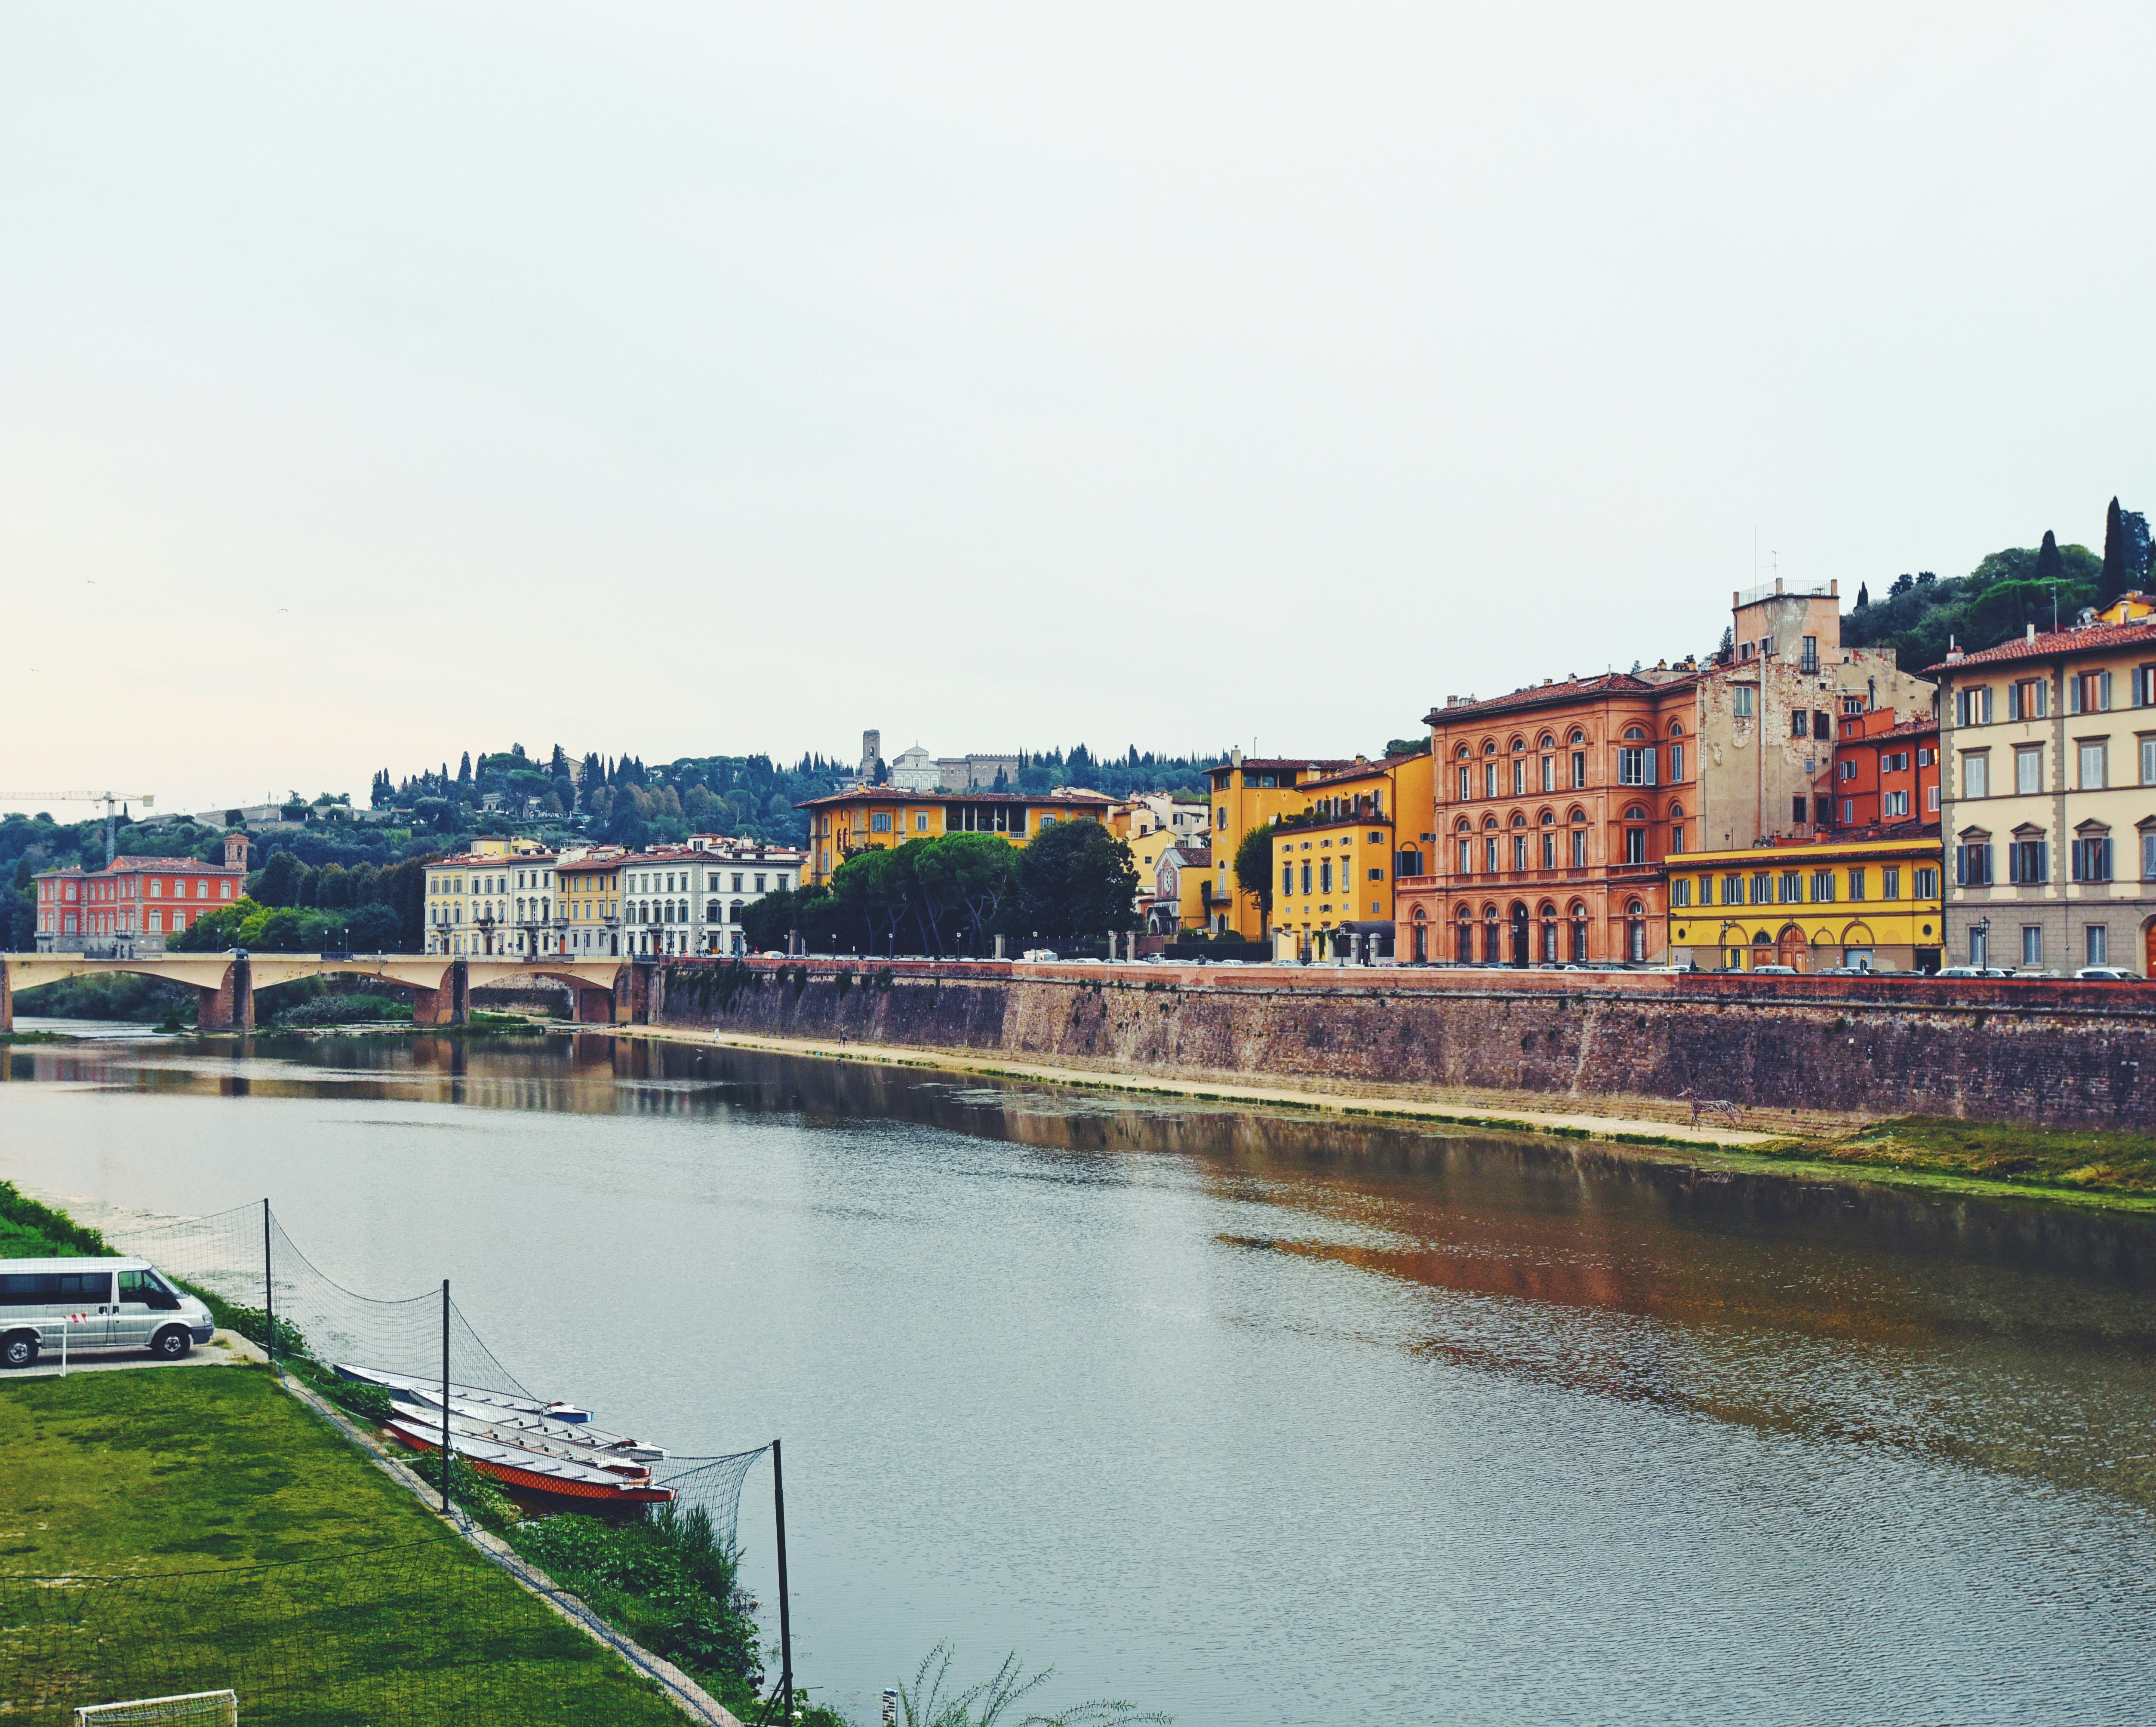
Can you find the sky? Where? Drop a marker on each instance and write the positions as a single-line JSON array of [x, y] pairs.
[[378, 383]]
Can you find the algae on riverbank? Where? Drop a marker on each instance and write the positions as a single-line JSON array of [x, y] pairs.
[[2067, 1160]]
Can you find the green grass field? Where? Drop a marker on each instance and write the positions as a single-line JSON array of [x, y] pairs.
[[265, 1554]]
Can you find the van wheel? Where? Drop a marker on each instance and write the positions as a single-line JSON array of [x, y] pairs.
[[171, 1344], [19, 1350]]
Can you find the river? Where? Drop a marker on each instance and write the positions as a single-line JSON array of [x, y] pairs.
[[1247, 1416]]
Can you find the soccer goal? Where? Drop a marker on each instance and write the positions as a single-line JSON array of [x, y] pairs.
[[198, 1708]]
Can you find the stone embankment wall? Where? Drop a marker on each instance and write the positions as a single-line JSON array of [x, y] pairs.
[[1794, 1050]]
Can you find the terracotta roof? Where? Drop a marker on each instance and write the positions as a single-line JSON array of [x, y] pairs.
[[169, 863], [1567, 689], [1274, 764], [893, 794], [1906, 729], [1361, 771], [2047, 644]]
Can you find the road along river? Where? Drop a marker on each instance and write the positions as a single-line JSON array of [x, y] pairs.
[[1250, 1417]]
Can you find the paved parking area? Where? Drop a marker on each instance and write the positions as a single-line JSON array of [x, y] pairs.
[[224, 1349]]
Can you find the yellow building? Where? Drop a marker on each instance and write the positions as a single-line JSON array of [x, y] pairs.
[[1248, 792], [498, 898], [1333, 872], [1873, 904], [875, 818], [590, 891]]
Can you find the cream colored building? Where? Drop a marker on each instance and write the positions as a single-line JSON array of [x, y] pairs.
[[2048, 744], [497, 898]]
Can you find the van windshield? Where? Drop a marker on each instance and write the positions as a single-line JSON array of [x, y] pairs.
[[147, 1287]]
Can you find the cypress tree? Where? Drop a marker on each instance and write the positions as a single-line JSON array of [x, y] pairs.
[[2050, 566], [2116, 577], [1863, 596]]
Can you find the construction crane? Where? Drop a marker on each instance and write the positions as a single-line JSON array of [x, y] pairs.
[[110, 800]]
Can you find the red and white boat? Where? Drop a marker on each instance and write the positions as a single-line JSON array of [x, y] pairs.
[[534, 1472]]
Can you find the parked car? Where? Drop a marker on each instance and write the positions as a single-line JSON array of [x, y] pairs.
[[1773, 971], [1972, 972], [101, 1305], [1039, 955], [2108, 974]]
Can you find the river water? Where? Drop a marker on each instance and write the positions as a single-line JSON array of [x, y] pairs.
[[1243, 1416]]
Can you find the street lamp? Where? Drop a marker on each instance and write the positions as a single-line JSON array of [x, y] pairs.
[[1981, 953], [1722, 941]]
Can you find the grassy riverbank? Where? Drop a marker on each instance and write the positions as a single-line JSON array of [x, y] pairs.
[[264, 1553]]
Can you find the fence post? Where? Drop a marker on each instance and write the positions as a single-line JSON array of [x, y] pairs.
[[445, 1396], [269, 1291], [785, 1610]]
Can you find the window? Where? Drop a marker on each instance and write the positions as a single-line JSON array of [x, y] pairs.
[[2148, 854], [1740, 696], [1549, 849], [2088, 693], [1676, 839], [1635, 845], [1519, 851], [2032, 945], [1930, 800], [1681, 892], [2029, 698], [1732, 890], [2144, 686], [1976, 774], [1377, 874], [2149, 760], [2028, 862], [1635, 767], [1822, 886], [1466, 783], [1490, 854], [1791, 887], [1287, 878], [1549, 773], [38, 1288], [1809, 661], [2029, 771], [1925, 758], [1306, 875], [2094, 754], [1519, 777], [1579, 848], [1676, 763], [1799, 723], [1490, 779], [1797, 807], [1926, 882], [1466, 857], [1973, 864], [1325, 876], [1894, 803], [1763, 889], [1857, 884], [921, 821], [2094, 945], [1579, 769], [1889, 883], [2092, 860], [1973, 707]]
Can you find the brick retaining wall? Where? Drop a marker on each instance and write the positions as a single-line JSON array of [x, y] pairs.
[[1794, 1051]]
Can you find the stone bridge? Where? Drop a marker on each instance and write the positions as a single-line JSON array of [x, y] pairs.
[[601, 991]]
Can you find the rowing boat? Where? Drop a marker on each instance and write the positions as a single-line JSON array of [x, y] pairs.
[[406, 1387], [529, 1471], [540, 1427]]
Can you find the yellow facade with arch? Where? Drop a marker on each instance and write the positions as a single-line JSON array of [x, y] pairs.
[[1873, 904]]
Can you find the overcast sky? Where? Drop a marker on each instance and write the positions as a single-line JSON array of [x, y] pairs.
[[382, 382]]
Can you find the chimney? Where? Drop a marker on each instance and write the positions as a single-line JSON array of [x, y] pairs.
[[2031, 635], [1834, 585], [1235, 756]]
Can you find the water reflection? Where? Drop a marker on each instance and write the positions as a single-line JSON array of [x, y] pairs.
[[1253, 1409]]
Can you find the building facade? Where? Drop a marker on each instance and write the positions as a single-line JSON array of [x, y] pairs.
[[1181, 879], [868, 818], [1886, 770], [1868, 902], [1558, 807], [1335, 872], [126, 909], [496, 899], [1247, 793], [2049, 743], [587, 901]]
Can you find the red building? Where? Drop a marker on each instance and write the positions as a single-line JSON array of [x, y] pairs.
[[1885, 771], [128, 907]]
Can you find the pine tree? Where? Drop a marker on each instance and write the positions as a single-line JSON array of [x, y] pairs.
[[2050, 566], [2116, 578]]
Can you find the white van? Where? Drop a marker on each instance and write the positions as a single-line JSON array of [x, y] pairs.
[[102, 1304]]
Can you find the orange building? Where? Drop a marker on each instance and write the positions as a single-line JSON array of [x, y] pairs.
[[1885, 771], [1555, 807], [127, 909]]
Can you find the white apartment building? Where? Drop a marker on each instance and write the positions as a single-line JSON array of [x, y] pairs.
[[689, 899]]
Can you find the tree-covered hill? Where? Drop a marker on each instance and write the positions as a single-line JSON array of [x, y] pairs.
[[1920, 615]]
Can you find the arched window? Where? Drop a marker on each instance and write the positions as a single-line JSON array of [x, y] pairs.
[[1519, 820], [1635, 837], [1577, 818], [1464, 936], [1635, 933], [1489, 746], [1462, 752], [1576, 915], [1576, 736], [1676, 728], [1519, 841], [1635, 735], [1546, 914], [1548, 822], [1493, 937], [1519, 745]]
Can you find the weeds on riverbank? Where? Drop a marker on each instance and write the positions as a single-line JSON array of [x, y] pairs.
[[32, 1231], [933, 1701], [2074, 1160]]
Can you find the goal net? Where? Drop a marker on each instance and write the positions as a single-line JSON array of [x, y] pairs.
[[198, 1709]]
